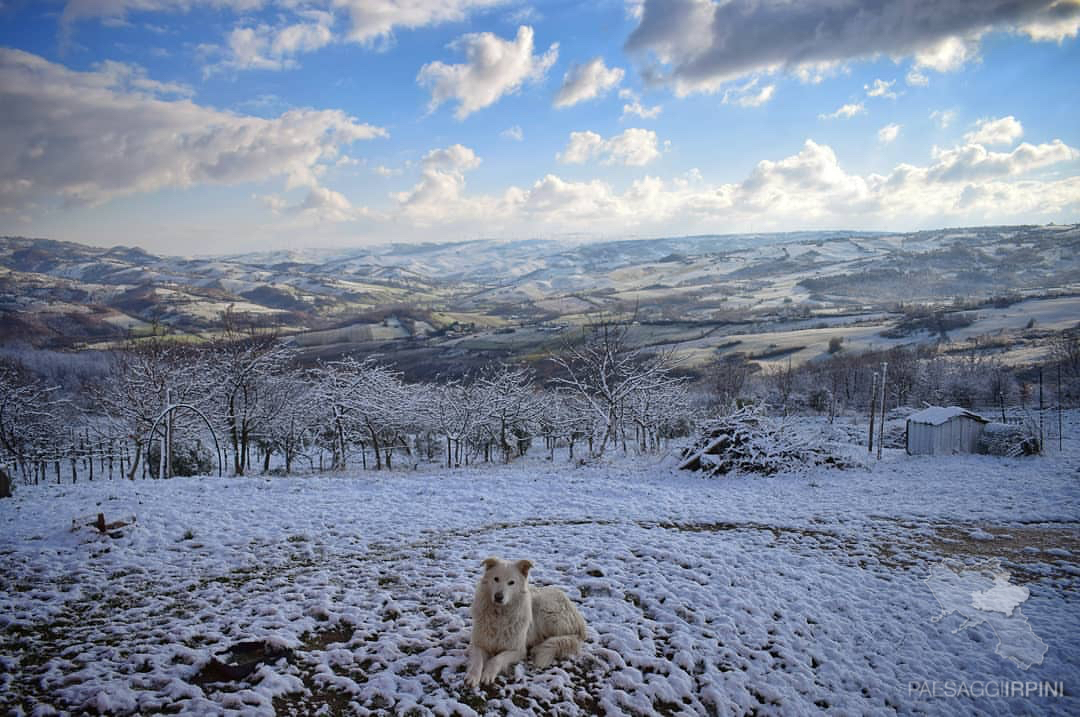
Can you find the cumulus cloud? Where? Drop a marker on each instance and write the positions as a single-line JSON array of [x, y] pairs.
[[372, 20], [513, 133], [973, 161], [634, 147], [846, 111], [493, 67], [265, 47], [808, 188], [127, 142], [439, 196], [888, 133], [748, 95], [916, 78], [700, 44], [1004, 130], [585, 82], [369, 20], [949, 54], [634, 107], [881, 88]]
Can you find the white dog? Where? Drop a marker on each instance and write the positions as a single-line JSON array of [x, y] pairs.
[[509, 617]]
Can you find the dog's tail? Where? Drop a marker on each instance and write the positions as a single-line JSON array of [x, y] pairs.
[[556, 648]]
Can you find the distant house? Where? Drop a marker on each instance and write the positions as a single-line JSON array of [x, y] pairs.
[[939, 431]]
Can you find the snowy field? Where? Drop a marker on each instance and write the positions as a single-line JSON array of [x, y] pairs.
[[792, 594]]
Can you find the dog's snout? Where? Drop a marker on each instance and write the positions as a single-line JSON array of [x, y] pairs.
[[498, 597]]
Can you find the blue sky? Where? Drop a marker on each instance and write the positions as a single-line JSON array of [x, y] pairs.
[[210, 126]]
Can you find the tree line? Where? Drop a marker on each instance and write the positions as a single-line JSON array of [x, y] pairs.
[[246, 404]]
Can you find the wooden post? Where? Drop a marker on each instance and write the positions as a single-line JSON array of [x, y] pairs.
[[1059, 404], [89, 453], [873, 414], [881, 432], [1041, 435]]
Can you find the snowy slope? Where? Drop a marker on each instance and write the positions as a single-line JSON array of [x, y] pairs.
[[782, 595]]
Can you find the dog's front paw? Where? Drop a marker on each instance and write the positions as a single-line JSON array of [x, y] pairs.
[[491, 671], [472, 679]]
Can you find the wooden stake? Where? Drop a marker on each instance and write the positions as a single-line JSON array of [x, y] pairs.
[[881, 432], [873, 414]]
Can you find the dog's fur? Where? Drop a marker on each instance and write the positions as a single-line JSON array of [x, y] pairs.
[[510, 617]]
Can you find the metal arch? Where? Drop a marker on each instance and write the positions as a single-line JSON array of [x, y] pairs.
[[200, 414]]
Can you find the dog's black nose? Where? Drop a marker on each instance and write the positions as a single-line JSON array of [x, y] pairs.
[[498, 597]]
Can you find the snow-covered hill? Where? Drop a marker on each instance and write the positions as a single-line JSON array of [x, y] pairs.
[[59, 294]]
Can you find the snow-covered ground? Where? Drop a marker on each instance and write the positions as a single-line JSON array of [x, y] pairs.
[[791, 594]]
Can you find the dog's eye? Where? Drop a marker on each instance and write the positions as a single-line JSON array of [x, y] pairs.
[[510, 583], [496, 580]]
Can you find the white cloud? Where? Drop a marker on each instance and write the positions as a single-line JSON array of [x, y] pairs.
[[634, 107], [973, 161], [494, 67], [369, 21], [846, 111], [888, 133], [881, 88], [809, 188], [513, 133], [634, 147], [439, 196], [949, 54], [745, 95], [584, 82], [373, 20], [327, 205], [133, 78], [128, 142], [263, 47], [698, 45], [1004, 130], [1054, 29], [383, 171], [944, 118], [916, 78], [748, 99]]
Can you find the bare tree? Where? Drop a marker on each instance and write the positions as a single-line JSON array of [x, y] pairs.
[[144, 379], [294, 418], [511, 407], [246, 371], [30, 416], [367, 405], [453, 409], [728, 375], [604, 371]]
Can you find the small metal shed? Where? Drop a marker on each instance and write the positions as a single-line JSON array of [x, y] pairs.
[[939, 430]]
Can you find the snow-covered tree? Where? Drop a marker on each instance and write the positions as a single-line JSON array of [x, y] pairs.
[[246, 372], [144, 379], [604, 372], [510, 406], [30, 418]]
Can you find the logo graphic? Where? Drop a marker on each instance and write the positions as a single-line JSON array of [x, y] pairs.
[[983, 594]]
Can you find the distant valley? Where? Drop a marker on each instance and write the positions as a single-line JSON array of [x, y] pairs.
[[442, 308]]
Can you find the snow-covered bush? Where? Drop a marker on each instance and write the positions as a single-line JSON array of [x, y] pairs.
[[747, 441]]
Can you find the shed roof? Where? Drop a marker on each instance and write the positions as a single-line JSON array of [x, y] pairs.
[[937, 415]]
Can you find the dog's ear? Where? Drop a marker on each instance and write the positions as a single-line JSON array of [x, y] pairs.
[[523, 566], [490, 562]]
